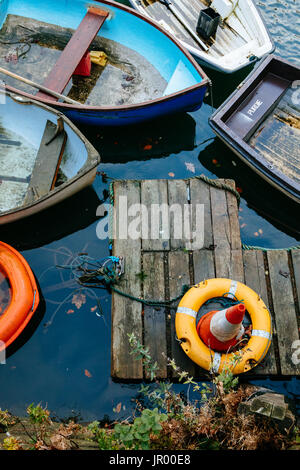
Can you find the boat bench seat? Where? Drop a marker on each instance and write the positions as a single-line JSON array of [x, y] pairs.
[[74, 52], [49, 156], [253, 110]]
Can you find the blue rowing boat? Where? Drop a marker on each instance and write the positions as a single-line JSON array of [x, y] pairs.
[[144, 72]]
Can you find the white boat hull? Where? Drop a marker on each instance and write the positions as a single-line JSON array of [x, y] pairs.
[[241, 37]]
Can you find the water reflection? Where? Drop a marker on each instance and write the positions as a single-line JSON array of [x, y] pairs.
[[156, 139]]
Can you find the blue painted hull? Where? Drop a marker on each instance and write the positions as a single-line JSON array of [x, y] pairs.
[[188, 102], [186, 81]]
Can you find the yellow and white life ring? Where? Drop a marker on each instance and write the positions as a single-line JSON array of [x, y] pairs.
[[185, 324]]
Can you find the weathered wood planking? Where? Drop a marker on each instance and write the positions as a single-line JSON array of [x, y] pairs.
[[154, 197], [227, 243], [126, 315], [179, 276], [155, 335], [284, 309], [178, 199], [167, 267], [255, 277]]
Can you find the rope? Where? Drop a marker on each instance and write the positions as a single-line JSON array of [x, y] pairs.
[[104, 273], [218, 184], [152, 303], [261, 248], [212, 182]]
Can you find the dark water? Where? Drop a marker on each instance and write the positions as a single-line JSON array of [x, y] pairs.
[[63, 360]]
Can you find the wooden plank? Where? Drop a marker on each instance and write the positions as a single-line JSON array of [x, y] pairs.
[[47, 163], [74, 51], [126, 314], [228, 262], [204, 268], [233, 213], [296, 266], [284, 309], [200, 194], [154, 196], [178, 200], [179, 275], [255, 278], [155, 336]]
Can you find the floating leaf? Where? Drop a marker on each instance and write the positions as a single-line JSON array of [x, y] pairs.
[[117, 409], [171, 174], [239, 190], [256, 234], [260, 231], [243, 225], [190, 166], [70, 311], [94, 308], [78, 300], [87, 373], [147, 147], [214, 161]]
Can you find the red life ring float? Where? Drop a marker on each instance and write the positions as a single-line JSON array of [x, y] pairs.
[[24, 295]]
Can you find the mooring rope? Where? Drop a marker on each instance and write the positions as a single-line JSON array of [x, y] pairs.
[[261, 248], [210, 181]]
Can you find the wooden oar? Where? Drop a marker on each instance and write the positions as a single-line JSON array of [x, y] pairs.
[[173, 9], [40, 87]]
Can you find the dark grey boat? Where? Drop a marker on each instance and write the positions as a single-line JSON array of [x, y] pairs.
[[260, 122]]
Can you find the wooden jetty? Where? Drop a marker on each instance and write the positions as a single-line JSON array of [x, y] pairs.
[[157, 269]]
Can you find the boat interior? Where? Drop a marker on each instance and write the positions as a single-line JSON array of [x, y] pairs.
[[41, 44], [267, 117], [238, 36], [34, 156]]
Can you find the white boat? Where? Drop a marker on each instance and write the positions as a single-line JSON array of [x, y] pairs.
[[241, 36]]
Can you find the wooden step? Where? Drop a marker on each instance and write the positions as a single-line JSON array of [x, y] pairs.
[[73, 53]]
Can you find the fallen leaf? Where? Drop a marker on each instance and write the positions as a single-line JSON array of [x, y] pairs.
[[190, 166], [171, 174], [59, 442], [78, 300], [147, 147], [87, 373], [117, 409]]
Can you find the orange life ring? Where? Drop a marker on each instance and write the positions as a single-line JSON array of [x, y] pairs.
[[24, 295], [185, 322]]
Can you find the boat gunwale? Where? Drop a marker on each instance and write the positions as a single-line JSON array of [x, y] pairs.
[[248, 153], [92, 161], [82, 107]]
